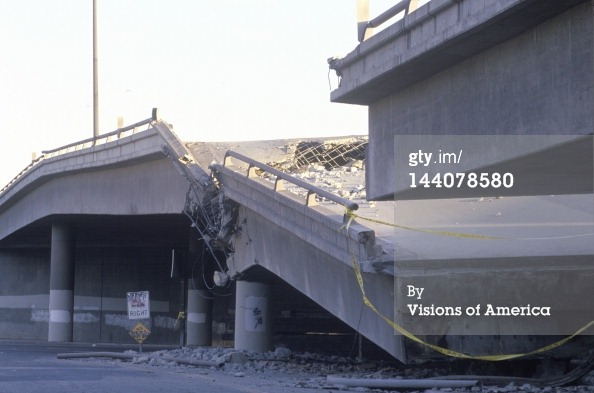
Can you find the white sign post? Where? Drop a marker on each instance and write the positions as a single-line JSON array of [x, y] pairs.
[[139, 308]]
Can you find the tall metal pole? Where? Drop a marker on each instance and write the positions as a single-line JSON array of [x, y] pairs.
[[95, 75], [363, 31]]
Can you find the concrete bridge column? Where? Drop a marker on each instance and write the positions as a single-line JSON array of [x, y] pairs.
[[199, 304], [253, 317], [199, 322], [61, 301]]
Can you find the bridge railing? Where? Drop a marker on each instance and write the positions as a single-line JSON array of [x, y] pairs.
[[101, 139], [83, 144], [312, 190]]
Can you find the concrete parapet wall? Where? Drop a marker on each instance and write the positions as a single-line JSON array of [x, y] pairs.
[[314, 224], [538, 83], [434, 37], [151, 187], [140, 146]]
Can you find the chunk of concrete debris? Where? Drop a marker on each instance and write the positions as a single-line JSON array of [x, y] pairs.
[[282, 353], [140, 359], [233, 357], [344, 193], [220, 278]]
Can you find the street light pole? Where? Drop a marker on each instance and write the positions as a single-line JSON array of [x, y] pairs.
[[95, 74]]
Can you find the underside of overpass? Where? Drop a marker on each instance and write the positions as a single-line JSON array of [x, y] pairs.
[[159, 230], [118, 254], [113, 255]]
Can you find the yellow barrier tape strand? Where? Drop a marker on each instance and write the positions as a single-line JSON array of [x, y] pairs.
[[352, 216], [451, 353], [407, 334]]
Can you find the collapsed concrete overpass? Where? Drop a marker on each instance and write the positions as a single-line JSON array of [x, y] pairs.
[[91, 205], [88, 222], [94, 220]]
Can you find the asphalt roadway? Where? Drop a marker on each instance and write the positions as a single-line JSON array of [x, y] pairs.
[[32, 367]]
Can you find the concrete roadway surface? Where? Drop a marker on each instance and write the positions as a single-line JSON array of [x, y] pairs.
[[32, 367]]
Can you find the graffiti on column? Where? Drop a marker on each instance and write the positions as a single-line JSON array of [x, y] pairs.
[[255, 313]]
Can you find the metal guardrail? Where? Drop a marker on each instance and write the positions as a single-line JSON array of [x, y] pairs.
[[312, 190], [83, 144], [104, 138], [20, 174]]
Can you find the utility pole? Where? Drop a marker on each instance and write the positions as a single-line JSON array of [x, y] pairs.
[[95, 73], [363, 31]]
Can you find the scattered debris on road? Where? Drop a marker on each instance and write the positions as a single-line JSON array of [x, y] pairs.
[[314, 371]]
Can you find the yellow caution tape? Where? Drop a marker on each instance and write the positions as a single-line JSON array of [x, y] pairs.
[[351, 214], [406, 333], [180, 315], [449, 352]]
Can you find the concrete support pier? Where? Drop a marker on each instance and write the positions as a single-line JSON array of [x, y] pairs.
[[61, 301], [253, 322], [199, 322]]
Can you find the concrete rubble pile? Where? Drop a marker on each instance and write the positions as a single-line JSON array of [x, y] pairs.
[[334, 165], [315, 371]]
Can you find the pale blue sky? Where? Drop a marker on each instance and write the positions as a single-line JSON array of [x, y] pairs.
[[217, 70]]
